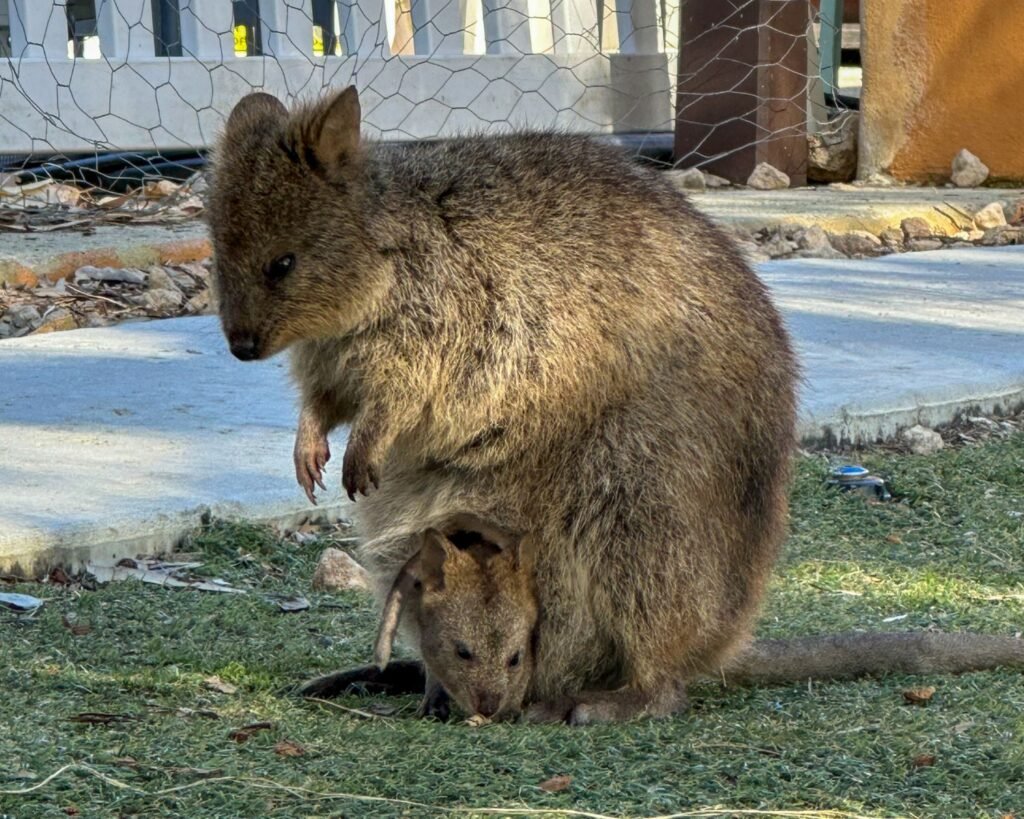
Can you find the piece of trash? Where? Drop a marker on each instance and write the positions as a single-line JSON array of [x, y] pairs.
[[243, 734], [855, 478], [290, 604], [919, 696], [895, 618], [556, 784], [215, 683], [19, 602], [158, 573]]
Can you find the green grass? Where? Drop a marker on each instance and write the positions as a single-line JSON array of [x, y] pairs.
[[949, 553]]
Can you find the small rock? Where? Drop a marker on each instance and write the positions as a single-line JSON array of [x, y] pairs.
[[124, 275], [969, 235], [990, 216], [968, 170], [160, 279], [918, 245], [767, 177], [813, 243], [856, 243], [915, 227], [57, 320], [877, 180], [691, 179], [23, 315], [1000, 236], [832, 153], [337, 571], [892, 238], [712, 181], [199, 303], [161, 301], [922, 441], [778, 246]]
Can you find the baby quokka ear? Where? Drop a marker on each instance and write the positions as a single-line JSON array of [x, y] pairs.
[[424, 570], [325, 136]]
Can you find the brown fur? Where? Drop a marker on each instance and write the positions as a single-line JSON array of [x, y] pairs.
[[535, 330]]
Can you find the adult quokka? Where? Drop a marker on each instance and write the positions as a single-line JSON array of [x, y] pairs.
[[536, 330]]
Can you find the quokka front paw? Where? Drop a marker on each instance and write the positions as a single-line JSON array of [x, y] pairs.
[[358, 471]]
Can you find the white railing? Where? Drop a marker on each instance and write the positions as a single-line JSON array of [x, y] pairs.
[[468, 65]]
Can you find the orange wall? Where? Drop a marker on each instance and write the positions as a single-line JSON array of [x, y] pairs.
[[941, 75]]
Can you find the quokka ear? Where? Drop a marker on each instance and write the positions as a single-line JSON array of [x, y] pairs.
[[326, 137], [437, 555], [253, 109], [391, 614], [524, 554]]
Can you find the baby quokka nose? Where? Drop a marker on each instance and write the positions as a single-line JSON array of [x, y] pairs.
[[486, 703]]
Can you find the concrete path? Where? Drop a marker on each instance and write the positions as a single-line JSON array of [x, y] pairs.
[[120, 439]]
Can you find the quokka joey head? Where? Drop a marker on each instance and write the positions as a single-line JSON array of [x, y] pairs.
[[476, 611]]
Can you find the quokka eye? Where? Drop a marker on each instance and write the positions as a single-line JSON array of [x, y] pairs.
[[281, 267], [513, 661], [463, 652]]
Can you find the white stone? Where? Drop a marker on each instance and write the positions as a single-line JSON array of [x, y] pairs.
[[160, 279], [161, 301], [832, 152], [990, 216], [968, 170], [713, 181], [692, 179], [23, 315], [122, 275], [922, 441], [767, 177], [856, 243], [338, 571]]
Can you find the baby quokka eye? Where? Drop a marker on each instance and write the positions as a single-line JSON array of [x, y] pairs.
[[463, 652], [513, 661], [281, 267]]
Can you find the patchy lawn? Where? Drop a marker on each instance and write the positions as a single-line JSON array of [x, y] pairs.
[[948, 553]]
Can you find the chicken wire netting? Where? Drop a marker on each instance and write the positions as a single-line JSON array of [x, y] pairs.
[[110, 106]]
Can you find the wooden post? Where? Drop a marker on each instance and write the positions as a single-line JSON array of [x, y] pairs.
[[742, 90]]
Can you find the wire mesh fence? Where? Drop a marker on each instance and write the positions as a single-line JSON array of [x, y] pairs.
[[102, 102]]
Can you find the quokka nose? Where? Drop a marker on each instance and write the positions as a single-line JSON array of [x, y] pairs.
[[244, 348], [487, 704]]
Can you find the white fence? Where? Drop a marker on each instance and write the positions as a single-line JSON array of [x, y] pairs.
[[591, 65]]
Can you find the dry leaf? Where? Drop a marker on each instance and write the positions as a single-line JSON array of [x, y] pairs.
[[78, 629], [243, 734], [71, 810], [923, 760], [59, 577], [894, 538], [556, 783], [215, 683], [478, 721], [99, 718], [288, 748], [919, 696]]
